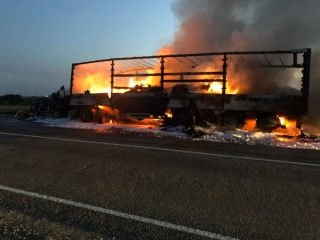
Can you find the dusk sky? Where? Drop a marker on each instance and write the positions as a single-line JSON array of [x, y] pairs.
[[40, 39]]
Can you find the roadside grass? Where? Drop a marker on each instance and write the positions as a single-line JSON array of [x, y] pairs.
[[12, 109]]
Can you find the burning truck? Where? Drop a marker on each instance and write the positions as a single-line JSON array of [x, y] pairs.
[[213, 88]]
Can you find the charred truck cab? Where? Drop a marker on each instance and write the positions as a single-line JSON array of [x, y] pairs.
[[177, 89]]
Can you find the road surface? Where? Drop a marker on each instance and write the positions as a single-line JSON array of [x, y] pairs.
[[91, 184]]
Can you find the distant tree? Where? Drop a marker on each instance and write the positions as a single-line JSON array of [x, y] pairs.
[[11, 99]]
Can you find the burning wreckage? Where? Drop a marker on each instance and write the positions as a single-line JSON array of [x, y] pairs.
[[193, 89]]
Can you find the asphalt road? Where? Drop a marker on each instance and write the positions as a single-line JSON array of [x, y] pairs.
[[87, 184]]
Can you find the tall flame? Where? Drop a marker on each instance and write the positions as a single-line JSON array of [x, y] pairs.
[[92, 78]]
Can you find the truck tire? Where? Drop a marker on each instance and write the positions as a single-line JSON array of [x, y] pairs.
[[267, 122], [86, 115], [57, 114], [98, 117], [233, 120]]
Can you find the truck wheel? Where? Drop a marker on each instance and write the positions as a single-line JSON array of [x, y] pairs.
[[86, 115], [267, 123], [57, 114], [233, 120], [98, 117]]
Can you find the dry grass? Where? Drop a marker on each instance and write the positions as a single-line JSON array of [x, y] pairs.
[[13, 109]]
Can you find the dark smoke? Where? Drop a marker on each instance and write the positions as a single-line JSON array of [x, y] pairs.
[[250, 25]]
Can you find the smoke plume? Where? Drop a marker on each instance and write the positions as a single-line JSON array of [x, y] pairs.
[[249, 25]]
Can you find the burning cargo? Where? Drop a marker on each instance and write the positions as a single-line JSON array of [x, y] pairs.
[[194, 88]]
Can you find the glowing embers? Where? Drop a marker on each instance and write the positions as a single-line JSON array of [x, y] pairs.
[[108, 115], [168, 113], [288, 129]]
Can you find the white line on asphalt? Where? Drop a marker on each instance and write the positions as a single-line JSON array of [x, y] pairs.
[[120, 214], [167, 150]]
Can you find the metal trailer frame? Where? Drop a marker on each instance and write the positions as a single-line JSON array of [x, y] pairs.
[[128, 64]]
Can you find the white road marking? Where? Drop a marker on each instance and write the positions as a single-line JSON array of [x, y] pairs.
[[119, 214], [167, 150]]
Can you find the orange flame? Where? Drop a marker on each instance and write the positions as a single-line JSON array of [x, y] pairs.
[[134, 82], [216, 87], [290, 128]]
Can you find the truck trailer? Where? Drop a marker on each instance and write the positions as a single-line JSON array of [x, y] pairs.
[[176, 88]]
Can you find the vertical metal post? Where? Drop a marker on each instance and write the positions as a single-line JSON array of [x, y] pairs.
[[295, 59], [137, 79], [71, 78], [112, 81], [305, 78], [224, 80], [162, 75]]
